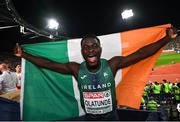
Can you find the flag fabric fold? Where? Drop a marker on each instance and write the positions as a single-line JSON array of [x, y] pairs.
[[48, 95]]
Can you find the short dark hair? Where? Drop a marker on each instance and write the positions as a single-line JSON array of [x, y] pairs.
[[178, 84], [90, 36], [164, 80]]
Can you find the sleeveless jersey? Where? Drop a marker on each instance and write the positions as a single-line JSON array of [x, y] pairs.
[[97, 90]]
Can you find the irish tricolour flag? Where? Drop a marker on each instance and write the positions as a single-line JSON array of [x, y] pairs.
[[48, 95]]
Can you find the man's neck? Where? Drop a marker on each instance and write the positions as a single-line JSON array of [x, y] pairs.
[[95, 68]]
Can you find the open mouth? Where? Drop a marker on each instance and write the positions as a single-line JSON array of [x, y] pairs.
[[92, 59]]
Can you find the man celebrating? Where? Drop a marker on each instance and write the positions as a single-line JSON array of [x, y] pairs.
[[91, 74]]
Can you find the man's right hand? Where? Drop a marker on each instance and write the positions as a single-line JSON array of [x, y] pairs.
[[18, 50], [171, 33]]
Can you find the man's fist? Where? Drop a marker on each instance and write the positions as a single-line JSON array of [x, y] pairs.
[[171, 33], [18, 50]]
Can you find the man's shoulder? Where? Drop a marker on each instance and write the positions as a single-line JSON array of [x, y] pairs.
[[73, 63], [103, 59], [13, 74], [4, 73]]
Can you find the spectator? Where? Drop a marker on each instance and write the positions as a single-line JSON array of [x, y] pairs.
[[7, 80], [165, 87], [177, 93], [18, 74], [156, 87], [143, 103], [152, 104], [146, 92]]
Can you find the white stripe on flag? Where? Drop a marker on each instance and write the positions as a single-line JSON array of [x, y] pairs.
[[22, 86]]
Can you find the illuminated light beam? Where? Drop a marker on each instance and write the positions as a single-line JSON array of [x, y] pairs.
[[53, 24], [127, 14]]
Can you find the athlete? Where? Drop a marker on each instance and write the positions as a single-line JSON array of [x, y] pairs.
[[95, 76]]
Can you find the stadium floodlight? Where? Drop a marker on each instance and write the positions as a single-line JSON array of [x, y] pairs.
[[53, 24], [127, 14]]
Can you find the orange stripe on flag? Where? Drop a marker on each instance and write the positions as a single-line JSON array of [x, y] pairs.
[[134, 77]]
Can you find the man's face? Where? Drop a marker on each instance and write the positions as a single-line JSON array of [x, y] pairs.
[[91, 51], [1, 67], [18, 68]]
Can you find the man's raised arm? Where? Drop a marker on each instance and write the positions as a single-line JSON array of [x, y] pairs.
[[144, 52], [66, 68]]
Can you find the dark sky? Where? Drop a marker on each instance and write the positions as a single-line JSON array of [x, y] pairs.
[[100, 17]]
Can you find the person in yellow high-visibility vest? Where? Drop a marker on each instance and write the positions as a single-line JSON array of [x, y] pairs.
[[156, 87], [177, 93], [152, 104], [165, 87]]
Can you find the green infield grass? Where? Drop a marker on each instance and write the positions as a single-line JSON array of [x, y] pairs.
[[168, 58]]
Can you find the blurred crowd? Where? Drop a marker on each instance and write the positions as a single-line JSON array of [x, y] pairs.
[[10, 81], [157, 95]]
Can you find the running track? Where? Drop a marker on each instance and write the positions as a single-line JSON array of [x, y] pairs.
[[169, 72]]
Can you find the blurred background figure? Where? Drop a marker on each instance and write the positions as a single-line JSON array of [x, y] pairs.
[[152, 104], [7, 80], [156, 88], [18, 74]]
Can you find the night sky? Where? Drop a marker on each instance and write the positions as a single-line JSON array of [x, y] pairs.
[[77, 18]]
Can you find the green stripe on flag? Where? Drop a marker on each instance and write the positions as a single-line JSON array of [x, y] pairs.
[[48, 95]]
